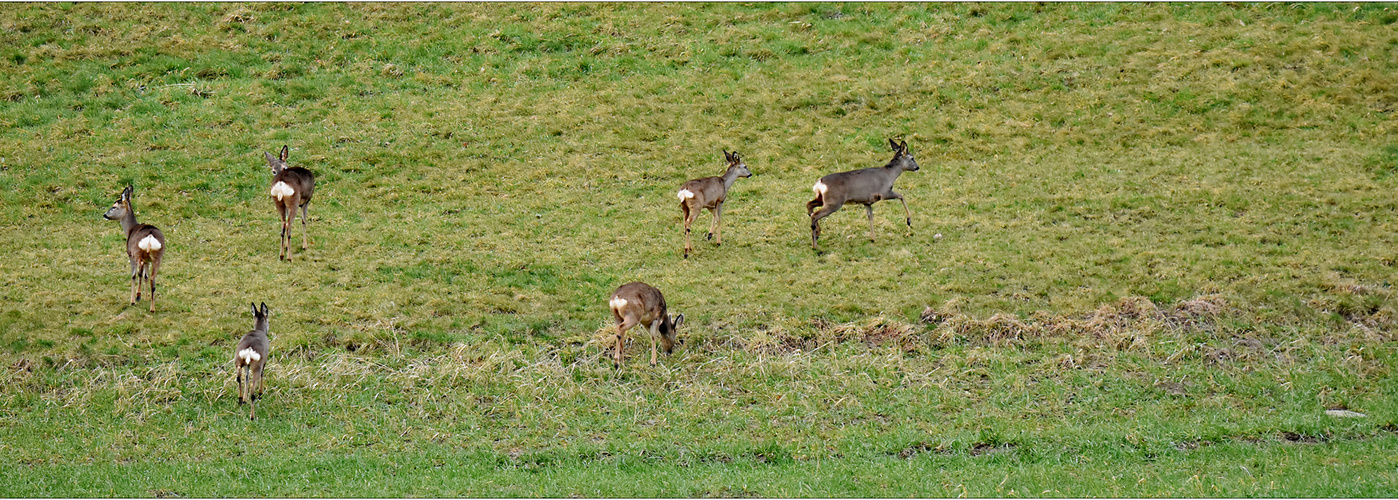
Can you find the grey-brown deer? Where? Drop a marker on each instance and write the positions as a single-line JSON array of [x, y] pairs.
[[864, 186], [710, 193], [292, 187], [145, 245], [249, 358], [638, 303]]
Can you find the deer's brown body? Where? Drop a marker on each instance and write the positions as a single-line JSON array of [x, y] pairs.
[[710, 193], [145, 246], [638, 303], [863, 186], [292, 187], [249, 357]]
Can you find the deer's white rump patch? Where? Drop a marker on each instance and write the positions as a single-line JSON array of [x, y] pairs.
[[149, 243], [248, 355], [282, 190], [685, 194], [618, 303], [819, 187]]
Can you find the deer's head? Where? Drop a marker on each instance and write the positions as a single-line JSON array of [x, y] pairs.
[[901, 157], [735, 162], [276, 163], [121, 207]]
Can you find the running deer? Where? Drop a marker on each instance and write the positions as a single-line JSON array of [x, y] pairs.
[[145, 245], [249, 357], [709, 192], [291, 187], [638, 302], [864, 186]]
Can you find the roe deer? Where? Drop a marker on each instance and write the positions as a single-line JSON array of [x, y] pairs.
[[638, 302], [710, 192], [863, 186], [145, 245], [250, 356], [291, 187]]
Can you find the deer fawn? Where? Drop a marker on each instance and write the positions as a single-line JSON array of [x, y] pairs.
[[709, 192], [638, 302], [145, 245], [291, 187], [250, 356], [864, 186]]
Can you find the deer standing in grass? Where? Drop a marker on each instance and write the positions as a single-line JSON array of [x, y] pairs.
[[292, 187], [249, 358], [710, 192], [863, 186], [145, 245], [638, 303]]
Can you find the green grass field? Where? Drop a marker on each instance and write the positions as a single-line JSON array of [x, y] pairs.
[[1152, 244]]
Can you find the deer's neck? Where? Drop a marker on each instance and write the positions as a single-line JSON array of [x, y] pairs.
[[893, 170], [128, 221], [729, 178]]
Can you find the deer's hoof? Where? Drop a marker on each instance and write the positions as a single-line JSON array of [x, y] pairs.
[[709, 236]]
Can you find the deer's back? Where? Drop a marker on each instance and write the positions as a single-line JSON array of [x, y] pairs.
[[860, 186], [642, 300], [300, 179], [140, 232], [710, 189], [257, 340]]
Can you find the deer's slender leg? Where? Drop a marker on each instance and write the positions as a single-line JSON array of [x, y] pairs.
[[154, 266], [654, 333], [870, 209], [717, 227], [135, 284], [621, 337], [811, 205], [688, 219], [815, 222]]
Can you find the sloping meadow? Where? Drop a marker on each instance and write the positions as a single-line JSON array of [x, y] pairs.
[[1153, 238]]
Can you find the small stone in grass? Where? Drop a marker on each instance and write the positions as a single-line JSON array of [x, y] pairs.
[[1345, 414]]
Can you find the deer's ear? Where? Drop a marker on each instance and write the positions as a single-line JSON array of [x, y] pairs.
[[903, 147], [271, 160], [264, 309], [283, 154], [679, 320], [893, 145], [254, 309], [126, 194], [728, 157]]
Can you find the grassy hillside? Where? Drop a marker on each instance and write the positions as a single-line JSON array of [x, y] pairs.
[[1151, 245]]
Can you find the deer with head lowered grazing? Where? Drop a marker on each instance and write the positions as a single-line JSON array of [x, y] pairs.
[[292, 187], [249, 358], [863, 186], [145, 245], [638, 303], [710, 192]]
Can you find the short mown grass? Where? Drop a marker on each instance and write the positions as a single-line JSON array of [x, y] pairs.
[[1151, 245]]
